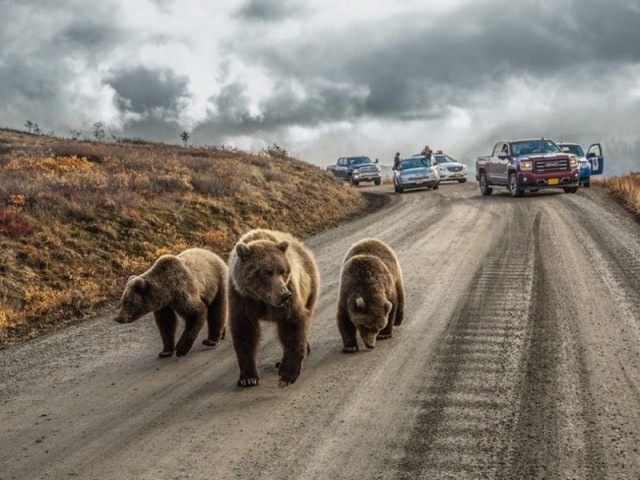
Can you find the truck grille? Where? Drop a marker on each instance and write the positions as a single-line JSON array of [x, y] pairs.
[[454, 169], [552, 165]]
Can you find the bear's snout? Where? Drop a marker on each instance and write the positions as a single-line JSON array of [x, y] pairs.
[[285, 297], [122, 319]]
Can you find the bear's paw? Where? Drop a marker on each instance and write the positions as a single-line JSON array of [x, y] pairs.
[[249, 382], [350, 349], [288, 374], [383, 336]]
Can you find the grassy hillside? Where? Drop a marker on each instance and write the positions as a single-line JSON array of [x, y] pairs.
[[626, 188], [77, 218]]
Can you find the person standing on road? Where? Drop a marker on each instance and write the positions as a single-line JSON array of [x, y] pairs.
[[396, 161]]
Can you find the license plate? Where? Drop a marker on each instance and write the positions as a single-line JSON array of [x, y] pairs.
[[553, 181], [419, 180]]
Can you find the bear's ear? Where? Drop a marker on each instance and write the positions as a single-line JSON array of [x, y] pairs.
[[140, 285], [243, 250], [283, 245], [360, 303], [387, 307], [131, 278]]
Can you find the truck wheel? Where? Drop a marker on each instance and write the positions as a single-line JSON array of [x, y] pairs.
[[514, 188], [462, 180], [570, 189], [485, 189], [587, 184], [353, 182], [376, 182], [436, 186]]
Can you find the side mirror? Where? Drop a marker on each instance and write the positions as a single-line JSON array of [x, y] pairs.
[[376, 161], [591, 155], [503, 156]]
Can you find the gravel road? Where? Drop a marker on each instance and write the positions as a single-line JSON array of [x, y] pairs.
[[519, 357]]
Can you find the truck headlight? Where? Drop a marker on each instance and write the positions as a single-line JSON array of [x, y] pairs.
[[526, 165], [356, 171], [573, 160]]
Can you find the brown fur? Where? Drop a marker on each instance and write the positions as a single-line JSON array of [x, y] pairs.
[[192, 284], [272, 277], [371, 294]]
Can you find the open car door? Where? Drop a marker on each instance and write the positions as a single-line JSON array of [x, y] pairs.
[[596, 159]]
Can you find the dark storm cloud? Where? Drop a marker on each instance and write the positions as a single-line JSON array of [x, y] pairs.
[[320, 102], [143, 90], [268, 10], [87, 36], [409, 65], [24, 79]]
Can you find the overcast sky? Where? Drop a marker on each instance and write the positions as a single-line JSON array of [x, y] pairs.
[[325, 78]]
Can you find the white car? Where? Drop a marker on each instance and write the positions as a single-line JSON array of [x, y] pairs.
[[449, 168]]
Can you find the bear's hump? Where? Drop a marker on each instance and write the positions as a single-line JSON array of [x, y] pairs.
[[275, 236], [365, 270], [379, 249]]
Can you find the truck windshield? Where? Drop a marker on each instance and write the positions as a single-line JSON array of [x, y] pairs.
[[359, 160], [444, 159], [530, 147], [575, 149], [419, 162]]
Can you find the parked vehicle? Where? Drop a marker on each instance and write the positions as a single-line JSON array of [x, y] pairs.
[[356, 169], [415, 172], [527, 165], [450, 169], [586, 165]]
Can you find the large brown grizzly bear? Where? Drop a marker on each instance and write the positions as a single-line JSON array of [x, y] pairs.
[[371, 294], [192, 284], [272, 277]]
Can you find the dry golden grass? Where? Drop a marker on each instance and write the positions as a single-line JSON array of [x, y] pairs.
[[626, 188], [78, 218]]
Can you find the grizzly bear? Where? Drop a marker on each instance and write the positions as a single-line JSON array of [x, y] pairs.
[[192, 284], [371, 294], [272, 277]]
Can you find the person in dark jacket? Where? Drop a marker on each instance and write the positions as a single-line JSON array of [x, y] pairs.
[[396, 161]]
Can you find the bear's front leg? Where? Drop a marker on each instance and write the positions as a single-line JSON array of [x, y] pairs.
[[193, 324], [347, 331], [166, 321], [245, 334], [399, 313], [216, 319], [387, 331], [293, 336]]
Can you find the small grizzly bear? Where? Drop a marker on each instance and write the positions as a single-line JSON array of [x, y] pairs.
[[192, 284], [371, 294], [272, 277]]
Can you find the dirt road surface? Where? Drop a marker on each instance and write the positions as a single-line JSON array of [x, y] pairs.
[[519, 357]]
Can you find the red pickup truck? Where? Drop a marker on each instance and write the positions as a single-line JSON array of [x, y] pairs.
[[527, 165]]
